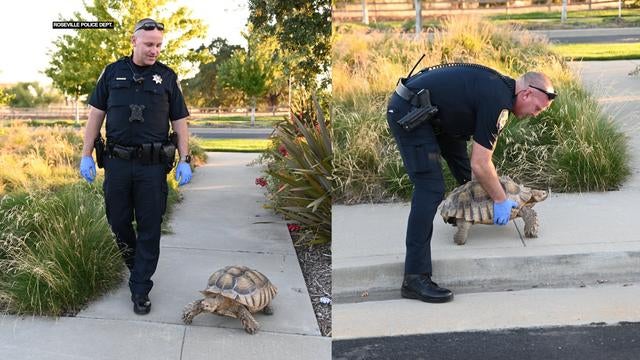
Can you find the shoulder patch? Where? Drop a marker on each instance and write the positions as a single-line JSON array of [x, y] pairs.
[[502, 119]]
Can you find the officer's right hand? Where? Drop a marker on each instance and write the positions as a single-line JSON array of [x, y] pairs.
[[88, 168], [502, 211]]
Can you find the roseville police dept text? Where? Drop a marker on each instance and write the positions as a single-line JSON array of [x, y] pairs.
[[83, 24]]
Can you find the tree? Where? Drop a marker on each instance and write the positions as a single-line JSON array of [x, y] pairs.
[[244, 73], [79, 59], [302, 28], [5, 97], [30, 94], [202, 90]]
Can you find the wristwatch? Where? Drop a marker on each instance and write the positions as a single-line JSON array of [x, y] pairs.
[[186, 159]]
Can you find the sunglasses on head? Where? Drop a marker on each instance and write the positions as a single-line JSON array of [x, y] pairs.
[[150, 25], [550, 95]]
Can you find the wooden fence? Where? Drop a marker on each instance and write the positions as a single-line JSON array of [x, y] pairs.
[[405, 10], [69, 112]]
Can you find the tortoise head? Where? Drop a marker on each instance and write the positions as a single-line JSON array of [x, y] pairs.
[[210, 304], [539, 195]]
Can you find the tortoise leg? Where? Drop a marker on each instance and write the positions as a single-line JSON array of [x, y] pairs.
[[248, 322], [530, 222], [267, 310], [191, 310], [460, 236]]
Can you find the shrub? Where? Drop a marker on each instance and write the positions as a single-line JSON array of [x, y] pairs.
[[57, 250], [570, 147], [300, 173]]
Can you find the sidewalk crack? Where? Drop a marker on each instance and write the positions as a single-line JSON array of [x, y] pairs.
[[184, 335]]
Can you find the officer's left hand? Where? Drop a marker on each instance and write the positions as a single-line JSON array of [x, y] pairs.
[[502, 211], [183, 173], [88, 168]]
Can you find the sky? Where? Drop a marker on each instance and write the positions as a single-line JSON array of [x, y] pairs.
[[26, 33]]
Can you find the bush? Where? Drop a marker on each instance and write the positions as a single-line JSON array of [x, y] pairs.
[[300, 174], [570, 147], [57, 251]]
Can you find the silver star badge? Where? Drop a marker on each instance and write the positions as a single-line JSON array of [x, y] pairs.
[[157, 79]]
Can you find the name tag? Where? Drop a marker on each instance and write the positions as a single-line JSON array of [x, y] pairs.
[[121, 78]]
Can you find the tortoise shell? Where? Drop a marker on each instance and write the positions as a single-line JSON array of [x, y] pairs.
[[239, 283], [472, 203]]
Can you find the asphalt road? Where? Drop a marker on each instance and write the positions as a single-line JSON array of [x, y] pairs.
[[611, 342]]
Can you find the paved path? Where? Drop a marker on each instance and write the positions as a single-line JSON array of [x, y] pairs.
[[588, 250], [220, 222]]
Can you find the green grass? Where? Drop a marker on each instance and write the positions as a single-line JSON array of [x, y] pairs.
[[236, 121], [58, 252], [599, 51], [234, 145], [575, 19]]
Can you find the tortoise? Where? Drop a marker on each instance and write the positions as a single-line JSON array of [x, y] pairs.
[[235, 291], [470, 204]]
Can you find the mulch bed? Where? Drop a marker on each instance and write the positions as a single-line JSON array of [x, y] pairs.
[[315, 262]]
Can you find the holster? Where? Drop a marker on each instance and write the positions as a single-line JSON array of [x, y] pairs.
[[421, 111], [98, 145], [168, 156]]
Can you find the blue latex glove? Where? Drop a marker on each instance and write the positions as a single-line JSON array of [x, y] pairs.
[[502, 211], [183, 173], [88, 168]]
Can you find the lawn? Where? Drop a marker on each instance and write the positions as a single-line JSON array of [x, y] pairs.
[[600, 51], [575, 19], [236, 121], [234, 145]]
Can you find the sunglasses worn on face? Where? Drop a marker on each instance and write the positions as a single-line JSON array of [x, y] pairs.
[[550, 95], [150, 25]]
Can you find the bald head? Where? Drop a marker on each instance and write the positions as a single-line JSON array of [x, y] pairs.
[[537, 79], [534, 94], [146, 41]]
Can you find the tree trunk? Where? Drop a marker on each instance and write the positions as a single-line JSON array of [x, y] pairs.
[[563, 17], [77, 109], [365, 13], [418, 6], [253, 111]]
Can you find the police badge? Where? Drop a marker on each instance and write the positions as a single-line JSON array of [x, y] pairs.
[[136, 113]]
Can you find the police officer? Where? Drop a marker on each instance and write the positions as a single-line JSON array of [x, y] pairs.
[[472, 101], [139, 96]]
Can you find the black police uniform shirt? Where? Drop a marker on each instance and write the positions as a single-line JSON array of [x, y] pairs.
[[472, 101], [158, 92]]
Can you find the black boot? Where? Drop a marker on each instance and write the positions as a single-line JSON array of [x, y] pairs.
[[420, 286], [141, 304]]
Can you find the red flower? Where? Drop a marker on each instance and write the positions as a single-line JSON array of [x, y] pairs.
[[294, 227], [282, 150], [262, 182]]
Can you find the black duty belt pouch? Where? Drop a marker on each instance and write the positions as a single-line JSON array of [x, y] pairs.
[[146, 154], [168, 156], [422, 111], [98, 144]]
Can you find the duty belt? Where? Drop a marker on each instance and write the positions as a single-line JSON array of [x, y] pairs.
[[407, 94], [125, 152]]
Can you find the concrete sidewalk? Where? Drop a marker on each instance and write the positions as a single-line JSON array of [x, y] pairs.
[[220, 222], [585, 240]]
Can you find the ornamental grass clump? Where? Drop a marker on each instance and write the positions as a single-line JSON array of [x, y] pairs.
[[57, 251], [299, 174], [570, 147]]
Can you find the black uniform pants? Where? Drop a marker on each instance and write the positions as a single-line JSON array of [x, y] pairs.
[[136, 191], [421, 150]]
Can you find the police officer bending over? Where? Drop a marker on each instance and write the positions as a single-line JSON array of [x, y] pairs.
[[138, 95], [434, 113]]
